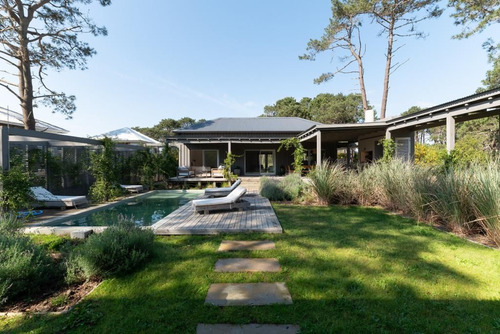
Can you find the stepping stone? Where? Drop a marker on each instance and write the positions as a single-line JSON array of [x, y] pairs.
[[239, 265], [246, 329], [237, 294], [232, 245]]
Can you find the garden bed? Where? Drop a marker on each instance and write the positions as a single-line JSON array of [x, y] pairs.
[[54, 299]]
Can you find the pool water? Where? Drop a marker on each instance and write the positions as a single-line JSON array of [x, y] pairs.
[[144, 210]]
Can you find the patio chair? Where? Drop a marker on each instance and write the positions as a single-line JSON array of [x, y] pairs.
[[48, 199], [219, 192], [232, 201], [183, 171], [132, 188]]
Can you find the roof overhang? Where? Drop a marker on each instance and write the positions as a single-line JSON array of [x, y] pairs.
[[343, 132], [29, 137]]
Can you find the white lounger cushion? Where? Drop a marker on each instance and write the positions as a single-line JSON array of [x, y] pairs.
[[133, 188], [209, 191], [233, 197], [43, 195]]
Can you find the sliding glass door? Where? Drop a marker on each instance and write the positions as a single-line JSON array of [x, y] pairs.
[[260, 162]]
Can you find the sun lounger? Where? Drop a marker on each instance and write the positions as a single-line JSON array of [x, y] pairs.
[[231, 201], [219, 192], [48, 199], [132, 188]]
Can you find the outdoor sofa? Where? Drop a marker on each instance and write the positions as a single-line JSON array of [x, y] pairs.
[[219, 192], [49, 200], [183, 171], [232, 201], [217, 172]]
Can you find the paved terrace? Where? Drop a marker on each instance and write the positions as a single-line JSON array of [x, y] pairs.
[[260, 217]]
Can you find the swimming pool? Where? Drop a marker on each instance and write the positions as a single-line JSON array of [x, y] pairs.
[[143, 210]]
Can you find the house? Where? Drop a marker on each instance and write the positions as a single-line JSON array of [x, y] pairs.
[[256, 140]]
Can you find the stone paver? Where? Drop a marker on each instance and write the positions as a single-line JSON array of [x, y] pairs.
[[235, 294], [242, 265], [234, 245], [246, 329]]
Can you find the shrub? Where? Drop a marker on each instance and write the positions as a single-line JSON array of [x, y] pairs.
[[292, 186], [288, 188], [15, 191], [429, 154], [25, 267], [104, 170], [119, 249], [9, 223], [270, 188]]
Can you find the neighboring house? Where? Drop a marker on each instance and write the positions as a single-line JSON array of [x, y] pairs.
[[129, 136], [256, 140], [9, 118]]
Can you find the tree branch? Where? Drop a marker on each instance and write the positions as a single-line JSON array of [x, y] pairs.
[[10, 90]]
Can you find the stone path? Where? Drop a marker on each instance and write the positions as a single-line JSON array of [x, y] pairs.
[[237, 294], [243, 265], [246, 329], [247, 294], [232, 245]]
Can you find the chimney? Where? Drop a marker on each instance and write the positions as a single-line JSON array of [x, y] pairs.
[[369, 116]]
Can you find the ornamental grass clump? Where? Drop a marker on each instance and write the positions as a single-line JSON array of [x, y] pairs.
[[328, 182], [485, 195], [118, 250], [25, 268], [403, 186], [452, 201]]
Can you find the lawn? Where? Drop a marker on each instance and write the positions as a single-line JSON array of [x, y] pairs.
[[348, 269]]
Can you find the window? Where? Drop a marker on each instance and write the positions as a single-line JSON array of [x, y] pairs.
[[403, 149], [211, 158]]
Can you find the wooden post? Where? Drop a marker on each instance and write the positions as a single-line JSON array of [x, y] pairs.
[[450, 133], [318, 148], [4, 146]]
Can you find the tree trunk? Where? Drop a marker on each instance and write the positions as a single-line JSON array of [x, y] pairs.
[[387, 69], [362, 88], [25, 79]]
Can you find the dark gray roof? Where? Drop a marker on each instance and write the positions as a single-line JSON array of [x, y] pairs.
[[251, 124]]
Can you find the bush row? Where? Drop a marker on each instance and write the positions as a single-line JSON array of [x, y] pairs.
[[465, 199], [27, 268]]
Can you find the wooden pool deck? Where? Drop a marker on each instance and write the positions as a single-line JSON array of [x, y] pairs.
[[260, 218]]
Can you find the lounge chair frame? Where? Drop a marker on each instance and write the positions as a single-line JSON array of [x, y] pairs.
[[219, 192], [232, 201]]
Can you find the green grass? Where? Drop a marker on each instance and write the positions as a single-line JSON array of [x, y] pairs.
[[348, 269]]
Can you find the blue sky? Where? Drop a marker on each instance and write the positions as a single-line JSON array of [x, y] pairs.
[[226, 58]]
